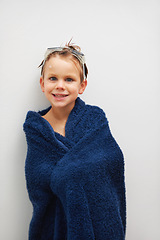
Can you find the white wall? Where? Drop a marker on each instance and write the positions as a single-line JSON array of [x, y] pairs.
[[121, 43]]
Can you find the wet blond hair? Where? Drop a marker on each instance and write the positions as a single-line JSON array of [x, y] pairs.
[[69, 50]]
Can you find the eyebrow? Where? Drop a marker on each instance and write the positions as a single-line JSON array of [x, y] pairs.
[[67, 75]]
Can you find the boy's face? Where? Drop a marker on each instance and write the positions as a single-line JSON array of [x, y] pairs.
[[61, 82]]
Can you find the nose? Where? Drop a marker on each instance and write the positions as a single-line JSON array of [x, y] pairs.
[[60, 84]]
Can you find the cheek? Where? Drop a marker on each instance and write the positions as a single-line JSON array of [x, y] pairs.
[[49, 86], [75, 88]]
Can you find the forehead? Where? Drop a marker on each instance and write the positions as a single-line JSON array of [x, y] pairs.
[[59, 63]]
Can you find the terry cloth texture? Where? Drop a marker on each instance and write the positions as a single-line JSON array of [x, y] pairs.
[[76, 182]]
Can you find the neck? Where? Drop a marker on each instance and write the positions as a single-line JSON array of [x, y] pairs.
[[61, 114]]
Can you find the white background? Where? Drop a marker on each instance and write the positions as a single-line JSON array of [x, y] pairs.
[[121, 42]]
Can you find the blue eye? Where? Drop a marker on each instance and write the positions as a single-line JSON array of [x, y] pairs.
[[53, 78], [69, 79]]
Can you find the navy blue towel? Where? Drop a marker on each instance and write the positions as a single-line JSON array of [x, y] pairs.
[[76, 182]]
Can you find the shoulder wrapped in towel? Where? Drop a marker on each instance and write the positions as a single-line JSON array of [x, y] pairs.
[[76, 182]]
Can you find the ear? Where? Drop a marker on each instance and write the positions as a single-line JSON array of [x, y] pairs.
[[83, 86], [42, 83]]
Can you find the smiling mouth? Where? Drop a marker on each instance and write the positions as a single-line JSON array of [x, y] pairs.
[[60, 95]]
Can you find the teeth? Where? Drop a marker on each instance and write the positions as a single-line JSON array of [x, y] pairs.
[[57, 95]]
